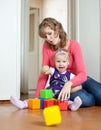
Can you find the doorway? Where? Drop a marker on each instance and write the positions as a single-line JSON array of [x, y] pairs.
[[29, 48], [33, 49]]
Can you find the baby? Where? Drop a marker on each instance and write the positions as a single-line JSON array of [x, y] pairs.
[[59, 75]]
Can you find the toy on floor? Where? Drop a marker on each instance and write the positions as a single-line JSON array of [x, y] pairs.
[[34, 104], [46, 100], [52, 115], [46, 93], [63, 105]]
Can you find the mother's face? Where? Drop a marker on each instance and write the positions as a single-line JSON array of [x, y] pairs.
[[52, 37]]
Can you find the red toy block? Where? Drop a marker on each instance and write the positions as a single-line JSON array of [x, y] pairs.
[[63, 105], [49, 102]]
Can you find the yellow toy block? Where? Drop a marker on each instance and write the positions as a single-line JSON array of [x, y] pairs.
[[52, 115], [34, 103]]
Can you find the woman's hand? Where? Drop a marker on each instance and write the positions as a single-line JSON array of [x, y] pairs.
[[65, 92]]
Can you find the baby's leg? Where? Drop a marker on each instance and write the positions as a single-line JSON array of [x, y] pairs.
[[75, 105], [18, 103]]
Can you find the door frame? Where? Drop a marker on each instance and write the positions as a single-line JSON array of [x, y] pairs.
[[24, 45]]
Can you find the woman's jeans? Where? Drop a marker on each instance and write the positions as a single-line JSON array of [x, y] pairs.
[[90, 93]]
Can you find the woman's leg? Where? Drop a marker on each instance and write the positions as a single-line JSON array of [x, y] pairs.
[[87, 98], [94, 88]]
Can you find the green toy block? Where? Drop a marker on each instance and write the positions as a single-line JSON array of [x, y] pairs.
[[46, 93]]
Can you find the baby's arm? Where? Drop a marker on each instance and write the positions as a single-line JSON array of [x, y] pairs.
[[47, 71]]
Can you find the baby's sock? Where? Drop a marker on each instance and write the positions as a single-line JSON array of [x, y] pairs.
[[18, 103], [75, 105]]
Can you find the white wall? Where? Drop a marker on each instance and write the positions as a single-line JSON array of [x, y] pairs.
[[56, 9], [9, 48], [88, 34], [35, 3]]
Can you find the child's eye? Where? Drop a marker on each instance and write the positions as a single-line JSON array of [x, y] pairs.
[[64, 61], [49, 33]]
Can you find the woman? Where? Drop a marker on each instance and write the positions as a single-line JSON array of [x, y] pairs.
[[56, 38]]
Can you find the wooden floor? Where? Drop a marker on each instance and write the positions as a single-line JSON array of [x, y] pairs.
[[13, 119]]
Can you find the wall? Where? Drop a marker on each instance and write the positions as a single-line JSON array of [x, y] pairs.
[[56, 9], [36, 3], [9, 48], [88, 34]]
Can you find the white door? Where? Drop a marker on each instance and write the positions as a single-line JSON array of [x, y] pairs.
[[10, 18]]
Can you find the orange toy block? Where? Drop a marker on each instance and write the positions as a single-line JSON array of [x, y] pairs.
[[34, 103], [52, 115], [63, 105]]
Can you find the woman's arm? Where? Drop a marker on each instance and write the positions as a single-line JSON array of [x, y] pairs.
[[77, 66]]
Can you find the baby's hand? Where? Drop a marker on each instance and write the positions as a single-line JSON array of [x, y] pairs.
[[65, 91], [36, 98], [45, 69]]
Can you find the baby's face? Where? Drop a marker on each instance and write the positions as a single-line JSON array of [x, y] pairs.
[[61, 63]]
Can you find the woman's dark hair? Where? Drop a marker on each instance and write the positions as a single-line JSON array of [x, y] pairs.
[[57, 27]]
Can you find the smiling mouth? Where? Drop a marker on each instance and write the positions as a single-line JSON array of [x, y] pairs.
[[61, 67]]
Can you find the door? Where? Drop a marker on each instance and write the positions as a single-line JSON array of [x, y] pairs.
[[10, 34]]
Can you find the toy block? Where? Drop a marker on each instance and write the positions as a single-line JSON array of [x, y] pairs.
[[34, 103], [49, 102], [52, 115], [46, 93], [41, 103], [63, 105]]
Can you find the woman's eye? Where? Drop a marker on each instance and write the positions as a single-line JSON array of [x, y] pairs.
[[64, 61]]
